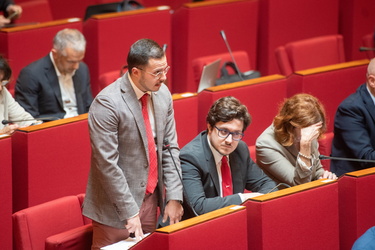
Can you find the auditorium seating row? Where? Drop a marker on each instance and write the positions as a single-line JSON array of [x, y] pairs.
[[322, 214], [190, 30], [51, 160]]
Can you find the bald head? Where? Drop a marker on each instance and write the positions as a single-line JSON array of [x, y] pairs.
[[370, 81]]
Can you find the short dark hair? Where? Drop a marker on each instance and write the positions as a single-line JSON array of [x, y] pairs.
[[5, 68], [141, 51], [226, 109]]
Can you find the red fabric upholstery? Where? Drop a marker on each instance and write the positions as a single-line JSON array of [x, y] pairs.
[[325, 149], [106, 52], [304, 220], [261, 98], [186, 116], [50, 163], [277, 28], [61, 9], [39, 43], [355, 22], [368, 41], [79, 238], [190, 42], [6, 194], [241, 58], [225, 232], [35, 11], [81, 198], [33, 225], [310, 53], [108, 78], [356, 207], [253, 153], [325, 84]]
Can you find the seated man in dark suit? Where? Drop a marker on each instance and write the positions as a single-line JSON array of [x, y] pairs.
[[354, 127], [216, 165], [57, 85]]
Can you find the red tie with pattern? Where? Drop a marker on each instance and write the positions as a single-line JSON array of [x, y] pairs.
[[153, 161], [226, 177]]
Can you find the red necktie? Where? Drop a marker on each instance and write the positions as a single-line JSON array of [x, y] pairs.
[[226, 177], [153, 160]]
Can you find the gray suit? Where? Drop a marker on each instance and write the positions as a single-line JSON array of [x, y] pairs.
[[201, 180], [119, 165]]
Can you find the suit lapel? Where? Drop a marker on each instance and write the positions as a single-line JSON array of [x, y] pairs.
[[235, 169], [210, 163], [77, 90], [368, 102]]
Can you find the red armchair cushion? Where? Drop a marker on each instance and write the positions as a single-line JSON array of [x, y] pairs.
[[79, 238]]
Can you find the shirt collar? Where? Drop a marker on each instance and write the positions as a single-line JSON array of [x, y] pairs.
[[372, 97], [56, 69], [215, 153], [139, 93]]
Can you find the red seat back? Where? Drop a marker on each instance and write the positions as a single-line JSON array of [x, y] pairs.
[[310, 53], [368, 41], [325, 149], [31, 226]]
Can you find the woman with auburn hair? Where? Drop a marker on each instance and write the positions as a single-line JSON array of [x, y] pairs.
[[288, 150]]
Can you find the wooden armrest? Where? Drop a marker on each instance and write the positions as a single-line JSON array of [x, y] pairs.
[[245, 83], [54, 123], [292, 190], [361, 173], [130, 12], [200, 219], [333, 67], [208, 3], [183, 96], [40, 25]]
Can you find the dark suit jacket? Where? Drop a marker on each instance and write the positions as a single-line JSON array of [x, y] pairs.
[[354, 132], [38, 91], [201, 181]]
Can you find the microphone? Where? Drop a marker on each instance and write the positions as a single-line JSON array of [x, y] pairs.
[[231, 54], [366, 49], [278, 185], [167, 146], [323, 157], [5, 122]]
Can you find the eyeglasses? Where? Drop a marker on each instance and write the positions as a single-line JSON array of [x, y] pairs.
[[223, 133], [158, 74], [4, 82]]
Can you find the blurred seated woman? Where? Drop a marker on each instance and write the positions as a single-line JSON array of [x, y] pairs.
[[288, 150], [9, 109]]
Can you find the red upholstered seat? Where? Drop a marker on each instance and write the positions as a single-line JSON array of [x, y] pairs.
[[310, 53], [107, 78], [241, 58], [59, 220], [325, 149], [368, 42]]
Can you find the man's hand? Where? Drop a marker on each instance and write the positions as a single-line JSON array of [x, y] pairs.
[[3, 21], [134, 226], [174, 211], [14, 11], [9, 129]]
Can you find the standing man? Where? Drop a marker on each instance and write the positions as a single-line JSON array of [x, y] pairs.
[[58, 84], [129, 121], [216, 165], [354, 127]]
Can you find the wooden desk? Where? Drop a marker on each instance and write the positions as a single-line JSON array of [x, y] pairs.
[[356, 205], [6, 192], [224, 228], [50, 160], [300, 217]]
